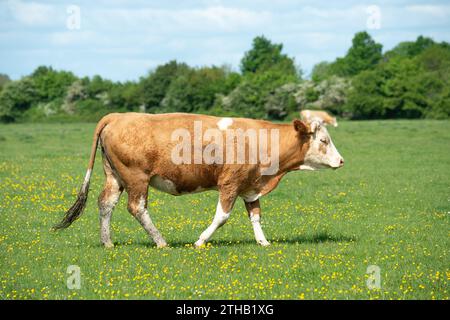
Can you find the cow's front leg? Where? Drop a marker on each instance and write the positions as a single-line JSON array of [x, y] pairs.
[[223, 211], [254, 213]]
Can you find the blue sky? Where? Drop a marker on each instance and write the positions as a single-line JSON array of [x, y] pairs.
[[123, 40]]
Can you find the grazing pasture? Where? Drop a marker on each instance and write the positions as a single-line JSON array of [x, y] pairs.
[[389, 206]]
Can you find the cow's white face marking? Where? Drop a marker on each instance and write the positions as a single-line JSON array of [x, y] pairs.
[[321, 153], [224, 123]]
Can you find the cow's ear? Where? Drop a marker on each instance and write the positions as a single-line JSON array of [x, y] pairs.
[[300, 126]]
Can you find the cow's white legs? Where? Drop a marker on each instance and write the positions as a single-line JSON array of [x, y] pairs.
[[106, 203], [254, 213], [219, 220], [145, 220], [141, 214], [259, 234], [105, 223]]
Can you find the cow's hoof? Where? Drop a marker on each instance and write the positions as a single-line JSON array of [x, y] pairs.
[[264, 243], [199, 244], [162, 245], [108, 245]]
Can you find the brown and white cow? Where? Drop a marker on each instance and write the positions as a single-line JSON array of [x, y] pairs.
[[321, 116], [142, 150]]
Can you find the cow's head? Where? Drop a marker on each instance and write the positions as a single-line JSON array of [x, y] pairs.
[[321, 152]]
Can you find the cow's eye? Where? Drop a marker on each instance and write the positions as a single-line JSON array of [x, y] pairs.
[[324, 141]]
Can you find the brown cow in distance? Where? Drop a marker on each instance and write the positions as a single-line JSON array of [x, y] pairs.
[[185, 153], [321, 116]]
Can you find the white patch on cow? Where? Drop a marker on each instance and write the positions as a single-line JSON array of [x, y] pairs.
[[306, 167], [219, 219], [259, 234], [224, 123], [111, 201], [105, 223], [145, 219], [87, 177], [141, 205], [164, 185]]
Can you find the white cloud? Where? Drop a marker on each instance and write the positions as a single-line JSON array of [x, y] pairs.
[[72, 38], [438, 11], [32, 13], [231, 18], [209, 19]]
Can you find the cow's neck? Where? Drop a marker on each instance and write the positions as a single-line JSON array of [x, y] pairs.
[[292, 149]]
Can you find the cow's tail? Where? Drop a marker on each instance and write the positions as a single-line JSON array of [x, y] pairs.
[[77, 208]]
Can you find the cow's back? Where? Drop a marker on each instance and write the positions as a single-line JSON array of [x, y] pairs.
[[144, 143]]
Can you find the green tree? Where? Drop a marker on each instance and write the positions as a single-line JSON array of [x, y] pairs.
[[4, 79], [130, 99], [364, 54], [404, 87], [265, 69], [196, 90], [321, 71], [250, 97], [435, 62], [154, 86], [97, 86], [16, 98], [265, 55], [409, 49], [280, 103], [51, 84]]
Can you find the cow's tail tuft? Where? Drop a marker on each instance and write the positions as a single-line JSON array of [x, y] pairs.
[[77, 208]]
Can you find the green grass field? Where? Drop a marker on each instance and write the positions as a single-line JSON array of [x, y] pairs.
[[389, 206]]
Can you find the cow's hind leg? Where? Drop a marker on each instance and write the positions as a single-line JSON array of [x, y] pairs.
[[107, 201], [254, 213], [137, 206], [223, 211]]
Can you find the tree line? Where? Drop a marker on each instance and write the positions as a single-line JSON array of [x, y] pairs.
[[410, 81]]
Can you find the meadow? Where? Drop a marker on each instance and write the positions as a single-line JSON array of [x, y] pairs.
[[389, 206]]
